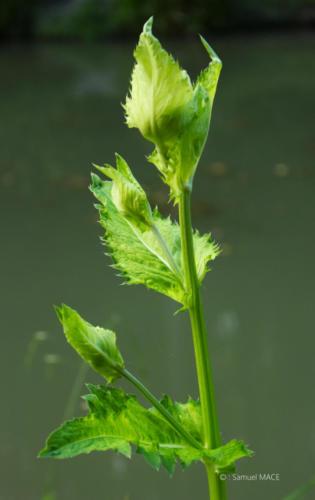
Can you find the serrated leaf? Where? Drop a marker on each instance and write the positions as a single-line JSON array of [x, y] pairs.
[[159, 88], [226, 455], [187, 414], [117, 421], [94, 344], [139, 255], [127, 194], [169, 110], [206, 250]]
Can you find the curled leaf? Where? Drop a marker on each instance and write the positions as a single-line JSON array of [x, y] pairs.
[[127, 194], [159, 88], [169, 110], [94, 344]]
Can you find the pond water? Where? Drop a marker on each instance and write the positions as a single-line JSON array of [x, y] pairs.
[[254, 191]]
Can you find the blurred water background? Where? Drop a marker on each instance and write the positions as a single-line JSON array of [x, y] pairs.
[[254, 191]]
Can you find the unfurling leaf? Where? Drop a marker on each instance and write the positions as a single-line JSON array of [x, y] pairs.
[[95, 345], [159, 88], [151, 257], [138, 255], [169, 110], [117, 421], [127, 194]]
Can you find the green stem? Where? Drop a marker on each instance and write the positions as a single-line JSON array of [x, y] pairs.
[[156, 403], [211, 432]]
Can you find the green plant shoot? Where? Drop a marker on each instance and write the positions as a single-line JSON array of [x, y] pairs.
[[167, 256]]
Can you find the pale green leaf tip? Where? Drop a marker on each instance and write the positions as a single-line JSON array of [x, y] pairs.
[[147, 27], [212, 54], [98, 167]]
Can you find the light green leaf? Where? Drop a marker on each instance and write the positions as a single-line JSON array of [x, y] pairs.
[[159, 88], [151, 257], [139, 257], [94, 344], [209, 77], [169, 110], [225, 457], [206, 250], [117, 421], [189, 416], [127, 194]]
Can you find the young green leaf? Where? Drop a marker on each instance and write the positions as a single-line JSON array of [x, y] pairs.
[[94, 344], [169, 110], [127, 194], [117, 421], [140, 256], [159, 88]]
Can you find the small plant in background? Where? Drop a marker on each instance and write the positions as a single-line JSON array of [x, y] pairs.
[[166, 256]]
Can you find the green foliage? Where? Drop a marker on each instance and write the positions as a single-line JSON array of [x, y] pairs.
[[128, 196], [94, 344], [151, 257], [117, 421], [176, 121], [168, 257], [225, 456]]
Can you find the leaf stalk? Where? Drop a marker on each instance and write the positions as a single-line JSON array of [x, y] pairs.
[[156, 403]]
